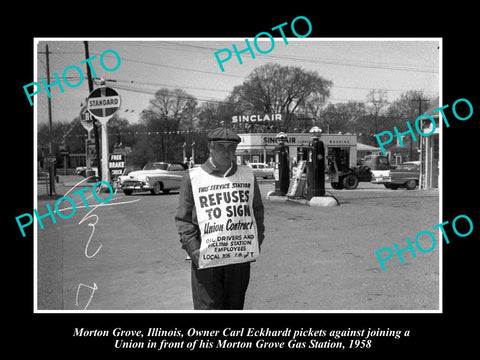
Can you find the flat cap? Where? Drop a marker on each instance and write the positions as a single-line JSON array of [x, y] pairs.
[[223, 134]]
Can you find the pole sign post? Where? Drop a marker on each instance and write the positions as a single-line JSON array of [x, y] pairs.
[[103, 103]]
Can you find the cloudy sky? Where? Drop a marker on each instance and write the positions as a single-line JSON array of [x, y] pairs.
[[355, 66]]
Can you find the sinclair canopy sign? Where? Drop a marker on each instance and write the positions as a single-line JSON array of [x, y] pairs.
[[256, 118]]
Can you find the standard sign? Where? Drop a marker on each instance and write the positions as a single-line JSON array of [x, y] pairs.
[[103, 103]]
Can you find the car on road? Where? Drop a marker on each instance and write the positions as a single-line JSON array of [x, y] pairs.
[[405, 175], [262, 170], [377, 162], [156, 177], [81, 170]]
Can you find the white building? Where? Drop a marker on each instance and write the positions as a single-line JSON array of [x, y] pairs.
[[259, 147]]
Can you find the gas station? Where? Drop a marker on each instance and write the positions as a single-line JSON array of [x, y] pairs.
[[299, 159], [307, 180], [260, 147]]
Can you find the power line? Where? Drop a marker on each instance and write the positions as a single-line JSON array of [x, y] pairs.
[[167, 85], [332, 61], [211, 100], [182, 68], [222, 90], [152, 92]]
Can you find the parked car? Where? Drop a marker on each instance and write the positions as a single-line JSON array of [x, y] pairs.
[[262, 170], [377, 162], [405, 175], [81, 170], [156, 177]]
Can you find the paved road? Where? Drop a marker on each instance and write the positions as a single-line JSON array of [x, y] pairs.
[[312, 259]]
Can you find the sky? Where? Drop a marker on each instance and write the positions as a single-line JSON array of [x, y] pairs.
[[355, 66]]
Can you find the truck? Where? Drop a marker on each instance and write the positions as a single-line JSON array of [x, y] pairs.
[[344, 177]]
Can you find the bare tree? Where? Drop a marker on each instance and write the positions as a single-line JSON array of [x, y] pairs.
[[342, 117], [377, 100], [168, 114], [273, 88], [406, 108]]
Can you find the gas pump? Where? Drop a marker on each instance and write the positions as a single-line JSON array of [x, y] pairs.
[[316, 165], [281, 171]]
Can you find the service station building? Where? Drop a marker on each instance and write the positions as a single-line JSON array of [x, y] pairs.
[[259, 147]]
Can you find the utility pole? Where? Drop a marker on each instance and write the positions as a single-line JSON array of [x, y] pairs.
[[420, 100], [50, 135], [96, 160]]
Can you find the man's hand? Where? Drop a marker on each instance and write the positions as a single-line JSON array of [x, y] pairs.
[[194, 256]]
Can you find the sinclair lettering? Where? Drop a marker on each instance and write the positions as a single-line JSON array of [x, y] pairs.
[[273, 140], [256, 118]]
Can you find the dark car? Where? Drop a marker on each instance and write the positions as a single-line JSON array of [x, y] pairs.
[[405, 175]]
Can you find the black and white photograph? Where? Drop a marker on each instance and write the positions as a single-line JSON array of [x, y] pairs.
[[263, 188], [320, 191]]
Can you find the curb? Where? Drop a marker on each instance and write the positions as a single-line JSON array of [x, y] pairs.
[[319, 201]]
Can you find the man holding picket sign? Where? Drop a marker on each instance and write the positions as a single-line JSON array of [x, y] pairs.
[[220, 223]]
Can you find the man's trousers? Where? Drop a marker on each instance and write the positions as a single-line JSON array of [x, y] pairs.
[[220, 288]]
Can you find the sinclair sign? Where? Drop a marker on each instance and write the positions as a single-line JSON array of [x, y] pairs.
[[256, 118]]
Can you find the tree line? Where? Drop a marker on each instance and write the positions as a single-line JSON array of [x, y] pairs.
[[175, 120]]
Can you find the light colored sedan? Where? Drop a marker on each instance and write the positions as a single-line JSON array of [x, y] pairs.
[[156, 177], [405, 175], [262, 170]]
